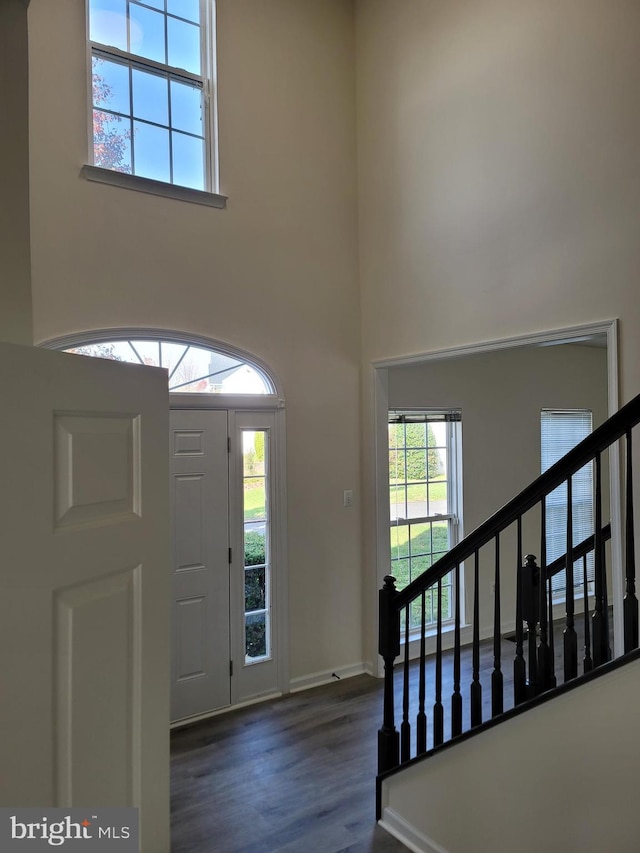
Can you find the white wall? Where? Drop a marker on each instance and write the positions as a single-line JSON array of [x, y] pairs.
[[501, 395], [274, 274], [561, 778], [15, 266], [499, 192]]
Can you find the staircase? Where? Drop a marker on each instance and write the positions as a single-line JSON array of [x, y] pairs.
[[430, 705]]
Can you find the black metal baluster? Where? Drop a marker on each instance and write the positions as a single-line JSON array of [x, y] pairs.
[[456, 698], [405, 728], [570, 636], [497, 685], [530, 575], [599, 620], [519, 666], [389, 649], [544, 661], [630, 605], [438, 710], [421, 721], [587, 662], [552, 641], [476, 686]]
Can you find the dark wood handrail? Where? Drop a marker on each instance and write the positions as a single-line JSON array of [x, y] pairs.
[[600, 439], [585, 547]]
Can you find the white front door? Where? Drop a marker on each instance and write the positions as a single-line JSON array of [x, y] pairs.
[[84, 586], [200, 658]]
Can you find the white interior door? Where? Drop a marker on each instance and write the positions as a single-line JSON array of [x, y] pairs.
[[200, 532], [84, 586]]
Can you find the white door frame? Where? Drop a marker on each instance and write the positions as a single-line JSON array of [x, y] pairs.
[[275, 403], [280, 591], [380, 382]]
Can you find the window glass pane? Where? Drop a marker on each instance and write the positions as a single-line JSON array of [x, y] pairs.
[[438, 498], [396, 464], [188, 161], [111, 142], [437, 454], [146, 352], [256, 635], [110, 85], [186, 364], [186, 108], [395, 435], [416, 462], [253, 449], [255, 545], [150, 97], [151, 151], [185, 9], [184, 45], [417, 500], [254, 589], [171, 354], [147, 33], [420, 539], [255, 503], [397, 500], [415, 435], [401, 572], [440, 537], [157, 4], [108, 22], [399, 541]]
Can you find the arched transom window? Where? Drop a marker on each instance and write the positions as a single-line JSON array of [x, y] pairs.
[[192, 369]]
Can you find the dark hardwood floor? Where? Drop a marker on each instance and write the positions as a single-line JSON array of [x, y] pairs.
[[295, 774]]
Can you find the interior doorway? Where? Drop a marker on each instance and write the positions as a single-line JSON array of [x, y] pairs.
[[390, 374]]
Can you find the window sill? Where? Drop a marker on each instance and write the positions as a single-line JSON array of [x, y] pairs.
[[147, 185]]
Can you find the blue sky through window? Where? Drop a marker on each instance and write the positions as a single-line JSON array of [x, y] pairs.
[[149, 121]]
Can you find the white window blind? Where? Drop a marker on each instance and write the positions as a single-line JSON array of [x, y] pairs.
[[560, 431]]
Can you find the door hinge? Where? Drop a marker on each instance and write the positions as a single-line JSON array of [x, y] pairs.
[[230, 668], [228, 444], [230, 556]]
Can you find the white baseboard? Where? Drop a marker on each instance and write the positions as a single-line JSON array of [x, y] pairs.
[[371, 669], [186, 721], [316, 679], [407, 834]]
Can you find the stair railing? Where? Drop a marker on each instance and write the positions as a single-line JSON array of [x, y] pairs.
[[534, 672]]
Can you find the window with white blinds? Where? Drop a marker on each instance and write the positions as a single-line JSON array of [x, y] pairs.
[[560, 431]]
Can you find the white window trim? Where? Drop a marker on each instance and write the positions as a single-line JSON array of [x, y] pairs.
[[209, 197], [152, 187], [454, 516]]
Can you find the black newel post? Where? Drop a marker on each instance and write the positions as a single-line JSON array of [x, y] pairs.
[[389, 649]]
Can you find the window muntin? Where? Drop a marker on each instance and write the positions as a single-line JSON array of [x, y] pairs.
[[257, 526], [191, 369], [150, 89], [560, 431], [424, 489]]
